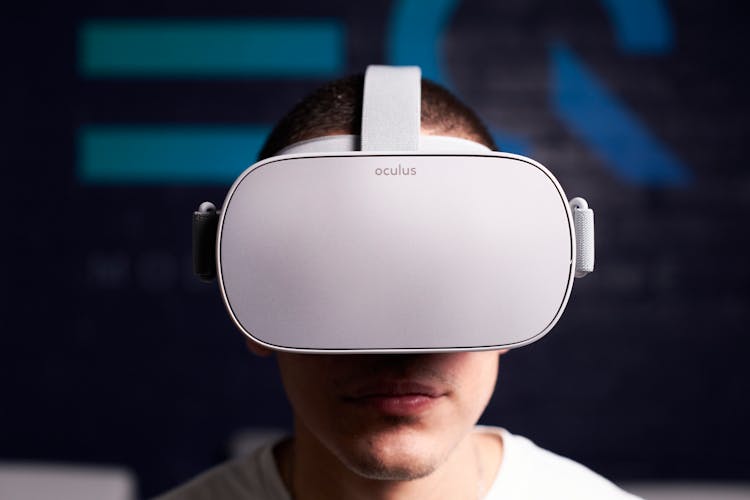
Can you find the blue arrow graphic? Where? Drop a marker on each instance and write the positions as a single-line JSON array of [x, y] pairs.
[[624, 143]]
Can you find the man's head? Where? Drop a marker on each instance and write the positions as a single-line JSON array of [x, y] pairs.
[[336, 108], [391, 417]]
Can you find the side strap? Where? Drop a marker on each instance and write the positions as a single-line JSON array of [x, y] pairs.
[[391, 107], [205, 225], [583, 222]]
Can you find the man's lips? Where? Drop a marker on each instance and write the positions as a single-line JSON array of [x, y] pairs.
[[395, 388], [396, 397]]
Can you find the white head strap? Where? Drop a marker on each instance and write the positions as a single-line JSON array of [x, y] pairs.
[[391, 108]]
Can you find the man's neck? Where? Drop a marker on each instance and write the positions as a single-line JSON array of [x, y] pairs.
[[310, 471]]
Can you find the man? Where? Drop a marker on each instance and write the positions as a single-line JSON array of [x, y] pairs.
[[393, 425]]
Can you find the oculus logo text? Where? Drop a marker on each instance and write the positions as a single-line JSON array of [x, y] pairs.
[[393, 171]]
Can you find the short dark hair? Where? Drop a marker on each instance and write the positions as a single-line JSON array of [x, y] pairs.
[[336, 108]]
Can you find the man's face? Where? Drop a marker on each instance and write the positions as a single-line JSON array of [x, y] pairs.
[[389, 416]]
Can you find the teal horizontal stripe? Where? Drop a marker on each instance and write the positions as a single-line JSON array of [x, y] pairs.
[[112, 155], [251, 48]]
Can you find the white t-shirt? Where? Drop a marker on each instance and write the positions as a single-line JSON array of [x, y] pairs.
[[527, 472]]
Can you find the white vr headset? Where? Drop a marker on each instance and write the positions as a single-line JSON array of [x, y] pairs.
[[393, 241]]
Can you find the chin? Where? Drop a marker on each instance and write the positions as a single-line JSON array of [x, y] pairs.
[[393, 456], [373, 466]]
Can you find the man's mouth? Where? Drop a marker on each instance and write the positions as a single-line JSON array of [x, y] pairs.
[[396, 397]]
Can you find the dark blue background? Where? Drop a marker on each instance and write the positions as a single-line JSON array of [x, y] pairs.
[[110, 352]]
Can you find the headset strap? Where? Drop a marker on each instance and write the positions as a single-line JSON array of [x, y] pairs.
[[391, 108], [346, 143]]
